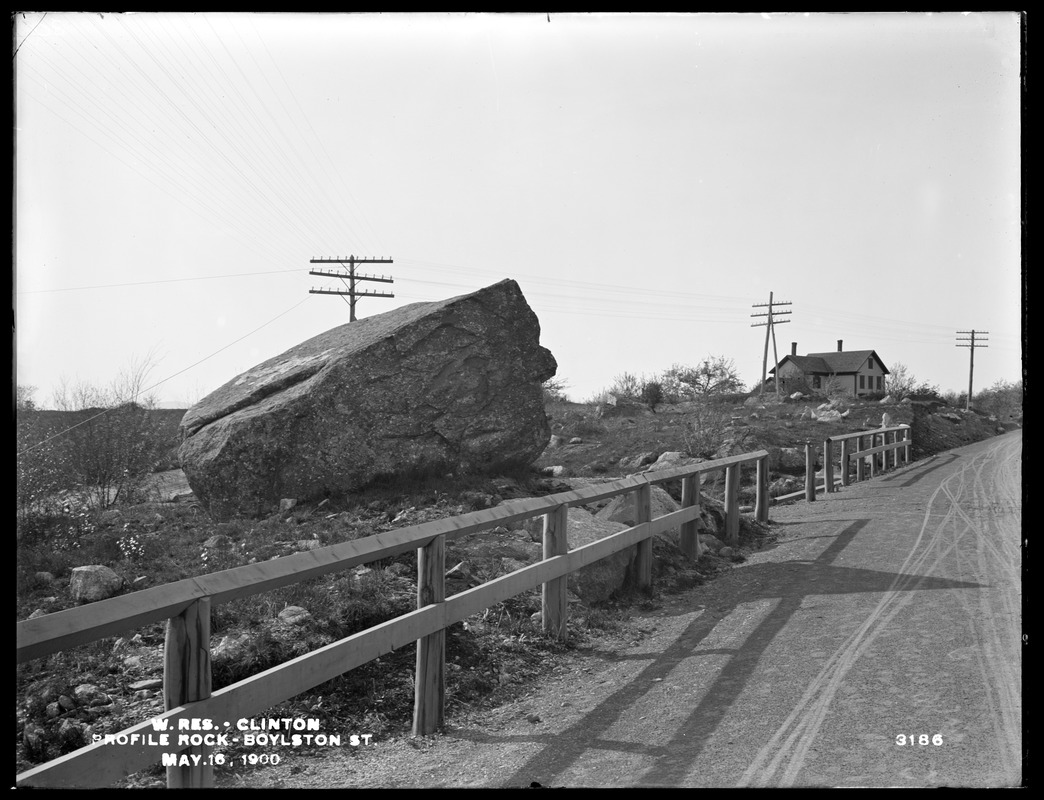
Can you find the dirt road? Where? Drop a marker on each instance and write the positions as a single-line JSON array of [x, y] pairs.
[[876, 644]]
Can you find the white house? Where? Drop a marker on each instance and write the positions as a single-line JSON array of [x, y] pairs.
[[858, 372]]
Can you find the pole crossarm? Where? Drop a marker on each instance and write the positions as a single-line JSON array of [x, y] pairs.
[[358, 277], [350, 259], [351, 294], [356, 293]]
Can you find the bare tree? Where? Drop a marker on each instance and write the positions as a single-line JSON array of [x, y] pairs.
[[112, 445]]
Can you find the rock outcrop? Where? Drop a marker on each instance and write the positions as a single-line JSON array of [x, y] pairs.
[[423, 388]]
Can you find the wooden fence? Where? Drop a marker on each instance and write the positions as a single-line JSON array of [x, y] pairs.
[[895, 442], [186, 606]]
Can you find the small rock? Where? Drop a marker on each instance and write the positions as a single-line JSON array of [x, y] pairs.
[[229, 648], [132, 662], [533, 718], [85, 692], [110, 517], [34, 738], [94, 582], [71, 733], [66, 703], [287, 504], [219, 542], [307, 544], [294, 615], [726, 552], [43, 578], [38, 613], [403, 515], [150, 683], [53, 710], [576, 440]]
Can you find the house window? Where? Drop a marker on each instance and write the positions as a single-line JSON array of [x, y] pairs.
[[815, 382], [870, 362], [862, 381], [878, 383]]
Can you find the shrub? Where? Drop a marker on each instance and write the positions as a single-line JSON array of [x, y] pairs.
[[39, 475], [627, 385], [790, 384], [114, 443], [554, 390], [901, 384], [652, 394], [1003, 400], [705, 429], [714, 376]]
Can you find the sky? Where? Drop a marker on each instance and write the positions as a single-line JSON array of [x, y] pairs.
[[649, 180]]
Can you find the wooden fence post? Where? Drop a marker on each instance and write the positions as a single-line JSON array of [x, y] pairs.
[[873, 456], [186, 678], [429, 692], [846, 479], [906, 447], [828, 466], [860, 460], [810, 474], [732, 481], [761, 499], [643, 513], [689, 538], [554, 601]]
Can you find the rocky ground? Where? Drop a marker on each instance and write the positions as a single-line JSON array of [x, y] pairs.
[[495, 658]]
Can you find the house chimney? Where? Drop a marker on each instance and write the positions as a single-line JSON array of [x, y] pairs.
[[839, 342], [793, 348]]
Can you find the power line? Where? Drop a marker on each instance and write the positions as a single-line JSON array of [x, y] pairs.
[[160, 383]]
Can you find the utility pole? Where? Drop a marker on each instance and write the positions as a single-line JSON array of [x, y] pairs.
[[771, 314], [350, 294], [971, 343]]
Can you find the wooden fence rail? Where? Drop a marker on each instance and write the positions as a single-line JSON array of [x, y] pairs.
[[186, 606], [872, 456]]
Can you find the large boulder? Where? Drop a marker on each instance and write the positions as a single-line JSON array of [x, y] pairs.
[[427, 387], [601, 579], [621, 509]]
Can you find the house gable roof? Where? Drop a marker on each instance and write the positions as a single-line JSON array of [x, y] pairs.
[[836, 363]]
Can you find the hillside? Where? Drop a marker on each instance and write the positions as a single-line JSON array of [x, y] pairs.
[[492, 657]]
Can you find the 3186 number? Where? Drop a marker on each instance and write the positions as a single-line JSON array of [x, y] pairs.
[[923, 739]]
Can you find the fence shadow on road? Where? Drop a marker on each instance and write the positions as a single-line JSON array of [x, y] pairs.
[[789, 583], [918, 474]]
